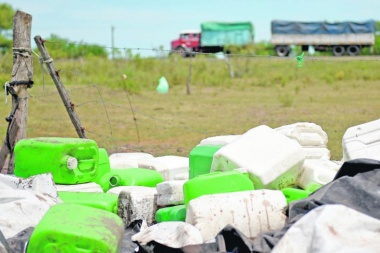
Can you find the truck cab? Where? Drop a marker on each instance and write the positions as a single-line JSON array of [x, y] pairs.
[[188, 42]]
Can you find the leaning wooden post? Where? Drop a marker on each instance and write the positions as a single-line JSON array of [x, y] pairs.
[[22, 78], [60, 87]]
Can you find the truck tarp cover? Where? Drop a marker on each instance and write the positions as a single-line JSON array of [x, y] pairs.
[[291, 27], [220, 34]]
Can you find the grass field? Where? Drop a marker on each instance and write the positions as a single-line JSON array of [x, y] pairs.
[[333, 93]]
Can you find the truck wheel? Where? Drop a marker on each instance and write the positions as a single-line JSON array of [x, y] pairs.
[[282, 50], [338, 50], [181, 51], [353, 50]]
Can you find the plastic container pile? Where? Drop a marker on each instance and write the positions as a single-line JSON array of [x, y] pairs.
[[266, 190]]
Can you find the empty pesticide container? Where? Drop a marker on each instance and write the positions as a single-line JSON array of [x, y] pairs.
[[220, 140], [362, 141], [87, 187], [200, 159], [100, 200], [293, 194], [169, 166], [216, 182], [171, 213], [127, 160], [104, 164], [130, 177], [77, 229], [272, 160], [317, 173], [70, 160]]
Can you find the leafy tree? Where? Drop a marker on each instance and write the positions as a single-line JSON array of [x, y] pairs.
[[6, 24], [63, 48]]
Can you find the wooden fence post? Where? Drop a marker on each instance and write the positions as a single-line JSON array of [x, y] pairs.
[[22, 78], [54, 73]]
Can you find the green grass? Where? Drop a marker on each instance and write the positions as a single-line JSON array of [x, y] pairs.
[[266, 90]]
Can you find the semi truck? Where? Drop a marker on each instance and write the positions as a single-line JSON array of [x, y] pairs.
[[341, 37], [213, 37]]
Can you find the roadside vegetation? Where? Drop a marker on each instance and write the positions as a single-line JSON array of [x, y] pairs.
[[333, 93]]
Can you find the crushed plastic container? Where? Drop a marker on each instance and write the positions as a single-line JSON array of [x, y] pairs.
[[216, 182], [127, 160], [272, 160], [171, 213], [77, 229], [130, 177], [293, 194], [317, 173], [251, 212], [362, 141], [104, 201], [169, 166], [200, 159], [307, 134], [70, 160]]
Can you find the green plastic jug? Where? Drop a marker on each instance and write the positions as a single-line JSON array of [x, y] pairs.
[[292, 194], [216, 182], [100, 200], [200, 159], [171, 213], [104, 164], [70, 160], [77, 229], [130, 177]]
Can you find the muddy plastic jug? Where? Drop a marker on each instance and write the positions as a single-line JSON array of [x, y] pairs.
[[130, 177], [77, 229], [70, 160], [216, 182], [171, 213], [200, 159], [100, 200]]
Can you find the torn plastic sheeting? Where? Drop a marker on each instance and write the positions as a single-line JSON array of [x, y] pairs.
[[175, 234], [360, 193], [332, 228]]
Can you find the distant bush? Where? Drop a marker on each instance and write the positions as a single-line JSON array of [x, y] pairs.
[[63, 48]]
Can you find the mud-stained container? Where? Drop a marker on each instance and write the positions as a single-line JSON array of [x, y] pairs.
[[216, 182], [251, 212], [77, 229], [70, 160]]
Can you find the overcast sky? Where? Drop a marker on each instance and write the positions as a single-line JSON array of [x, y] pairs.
[[153, 23]]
